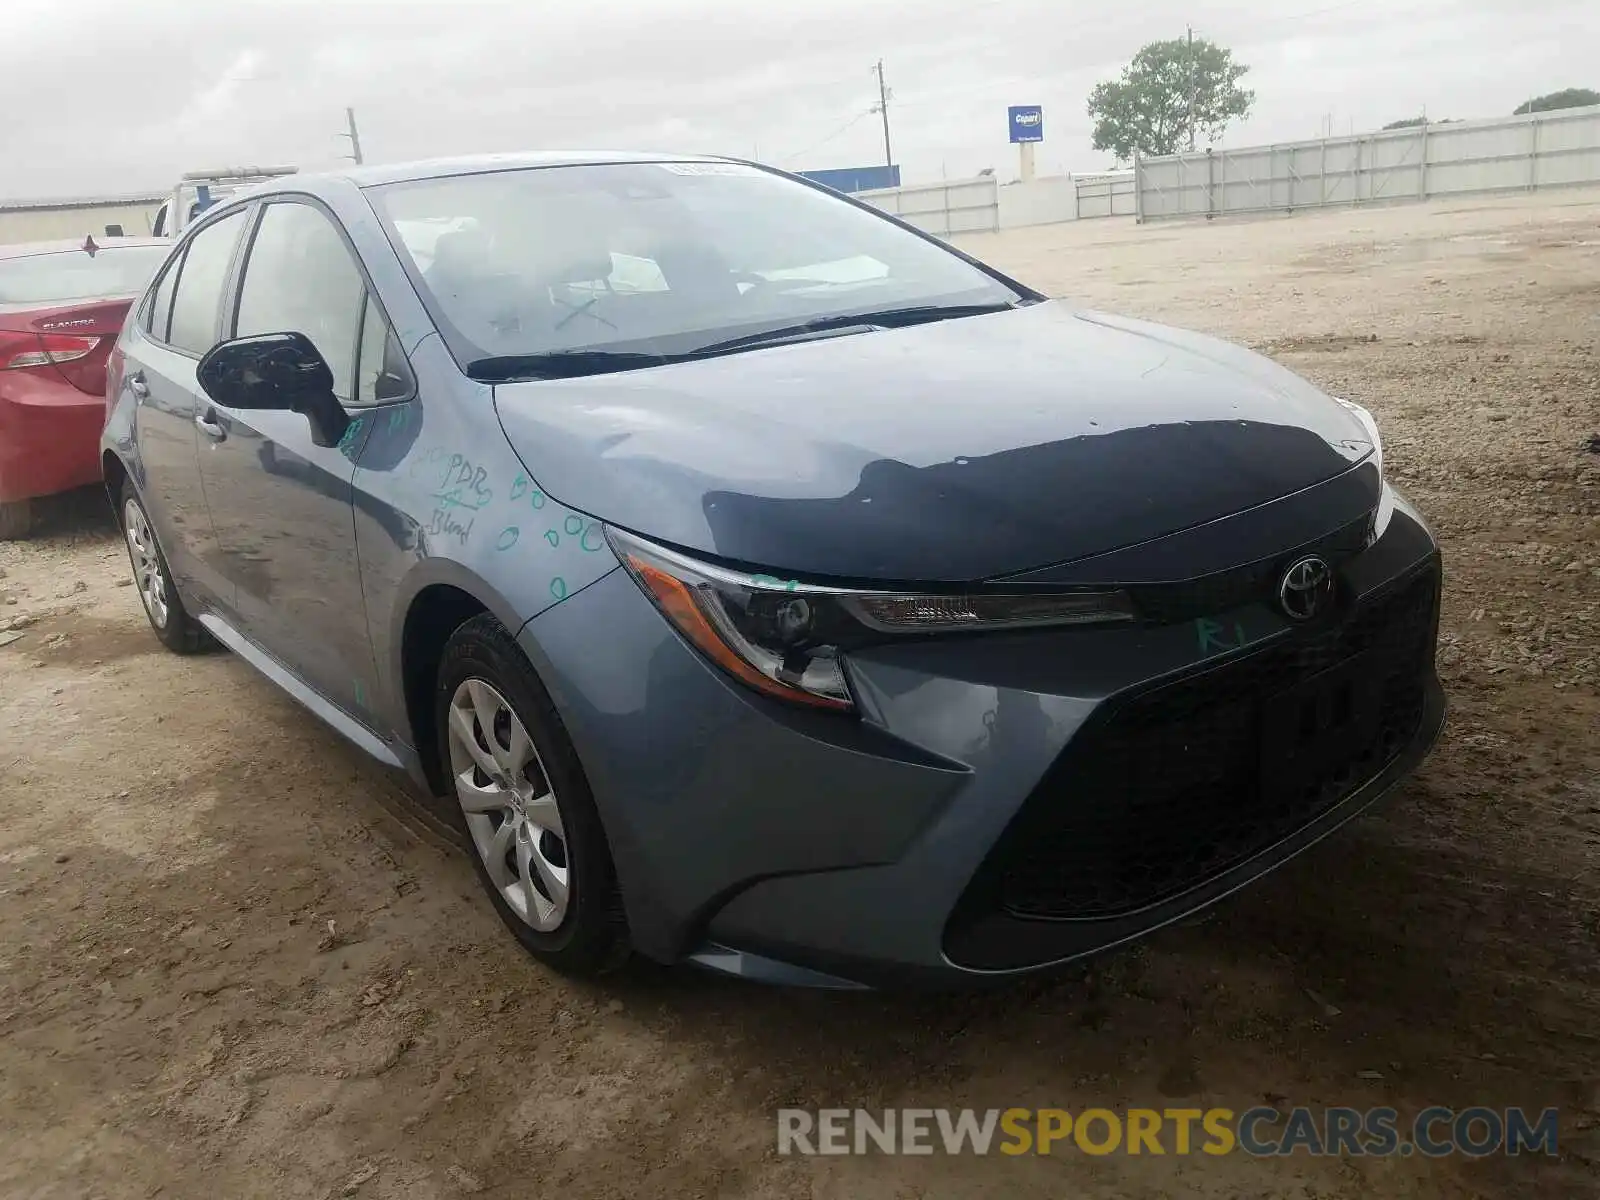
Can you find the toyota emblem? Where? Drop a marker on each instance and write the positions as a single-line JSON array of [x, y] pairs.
[[1306, 588]]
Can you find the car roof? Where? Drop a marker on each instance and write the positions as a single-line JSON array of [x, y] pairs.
[[65, 245], [437, 168]]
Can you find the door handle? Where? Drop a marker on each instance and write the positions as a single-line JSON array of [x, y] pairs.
[[137, 385], [212, 429]]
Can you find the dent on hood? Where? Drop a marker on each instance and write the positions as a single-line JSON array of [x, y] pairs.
[[957, 451], [723, 451]]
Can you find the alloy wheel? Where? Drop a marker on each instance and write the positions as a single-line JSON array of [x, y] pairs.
[[147, 572], [509, 804]]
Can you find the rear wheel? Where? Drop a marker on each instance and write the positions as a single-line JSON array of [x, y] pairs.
[[16, 519], [178, 631], [523, 802]]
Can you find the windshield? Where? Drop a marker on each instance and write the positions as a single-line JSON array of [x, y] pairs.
[[655, 258], [68, 275]]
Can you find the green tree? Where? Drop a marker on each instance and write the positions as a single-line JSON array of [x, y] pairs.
[[1170, 92], [1413, 122], [1565, 98]]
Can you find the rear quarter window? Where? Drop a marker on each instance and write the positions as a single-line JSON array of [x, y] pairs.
[[158, 310], [197, 303]]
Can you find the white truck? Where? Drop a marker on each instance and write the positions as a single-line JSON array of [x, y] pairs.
[[199, 190]]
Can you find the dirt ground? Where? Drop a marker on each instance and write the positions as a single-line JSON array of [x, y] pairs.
[[234, 963]]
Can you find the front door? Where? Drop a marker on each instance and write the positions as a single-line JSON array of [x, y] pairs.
[[280, 504], [175, 327]]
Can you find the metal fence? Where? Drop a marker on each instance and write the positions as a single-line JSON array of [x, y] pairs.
[[1540, 150], [943, 209], [1114, 194], [982, 204]]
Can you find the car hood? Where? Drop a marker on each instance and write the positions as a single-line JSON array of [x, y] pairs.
[[953, 451]]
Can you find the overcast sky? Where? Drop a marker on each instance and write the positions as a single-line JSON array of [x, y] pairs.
[[117, 96]]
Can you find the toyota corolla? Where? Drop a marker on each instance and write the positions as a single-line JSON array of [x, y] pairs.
[[758, 581]]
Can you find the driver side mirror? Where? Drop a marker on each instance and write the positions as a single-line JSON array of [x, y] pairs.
[[276, 371]]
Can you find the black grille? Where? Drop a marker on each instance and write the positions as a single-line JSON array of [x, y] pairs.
[[1164, 603], [1175, 785]]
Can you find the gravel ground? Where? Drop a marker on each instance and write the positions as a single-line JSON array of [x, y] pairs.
[[233, 962]]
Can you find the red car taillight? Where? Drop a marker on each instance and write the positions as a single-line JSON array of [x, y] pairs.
[[19, 350]]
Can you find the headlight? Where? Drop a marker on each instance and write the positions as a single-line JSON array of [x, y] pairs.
[[1371, 424], [786, 638], [1385, 510]]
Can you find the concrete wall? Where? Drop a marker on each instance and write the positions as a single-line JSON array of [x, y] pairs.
[[1038, 202], [48, 220], [1552, 149]]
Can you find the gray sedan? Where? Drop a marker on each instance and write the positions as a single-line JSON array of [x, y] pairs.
[[758, 581]]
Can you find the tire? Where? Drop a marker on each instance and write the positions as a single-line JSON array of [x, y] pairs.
[[163, 607], [551, 836], [16, 519]]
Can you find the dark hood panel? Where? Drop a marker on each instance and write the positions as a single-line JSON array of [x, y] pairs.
[[954, 451]]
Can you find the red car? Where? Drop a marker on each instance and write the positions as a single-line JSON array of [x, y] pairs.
[[61, 308]]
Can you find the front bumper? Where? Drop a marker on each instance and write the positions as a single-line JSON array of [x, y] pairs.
[[800, 847]]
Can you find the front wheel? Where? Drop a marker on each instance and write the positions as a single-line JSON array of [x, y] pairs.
[[524, 804]]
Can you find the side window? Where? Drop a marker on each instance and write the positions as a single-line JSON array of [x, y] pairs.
[[158, 311], [300, 278], [200, 281], [382, 374]]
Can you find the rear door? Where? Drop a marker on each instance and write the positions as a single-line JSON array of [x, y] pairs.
[[281, 505], [179, 321]]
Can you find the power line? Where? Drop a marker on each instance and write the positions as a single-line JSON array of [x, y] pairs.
[[1194, 86], [883, 107], [851, 123], [353, 135]]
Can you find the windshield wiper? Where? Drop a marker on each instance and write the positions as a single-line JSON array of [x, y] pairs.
[[570, 364], [885, 318], [561, 364]]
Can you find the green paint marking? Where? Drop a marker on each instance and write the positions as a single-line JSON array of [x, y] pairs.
[[573, 525], [772, 581], [508, 538], [1213, 637], [558, 588], [551, 536]]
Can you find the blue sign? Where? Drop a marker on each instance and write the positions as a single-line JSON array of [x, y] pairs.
[[1026, 122], [856, 179]]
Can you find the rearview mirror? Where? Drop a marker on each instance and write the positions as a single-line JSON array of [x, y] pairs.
[[276, 371]]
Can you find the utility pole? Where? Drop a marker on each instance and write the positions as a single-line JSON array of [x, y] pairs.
[[1194, 85], [882, 106], [353, 135]]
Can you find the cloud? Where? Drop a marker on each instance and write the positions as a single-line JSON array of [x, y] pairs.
[[217, 101], [127, 96]]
